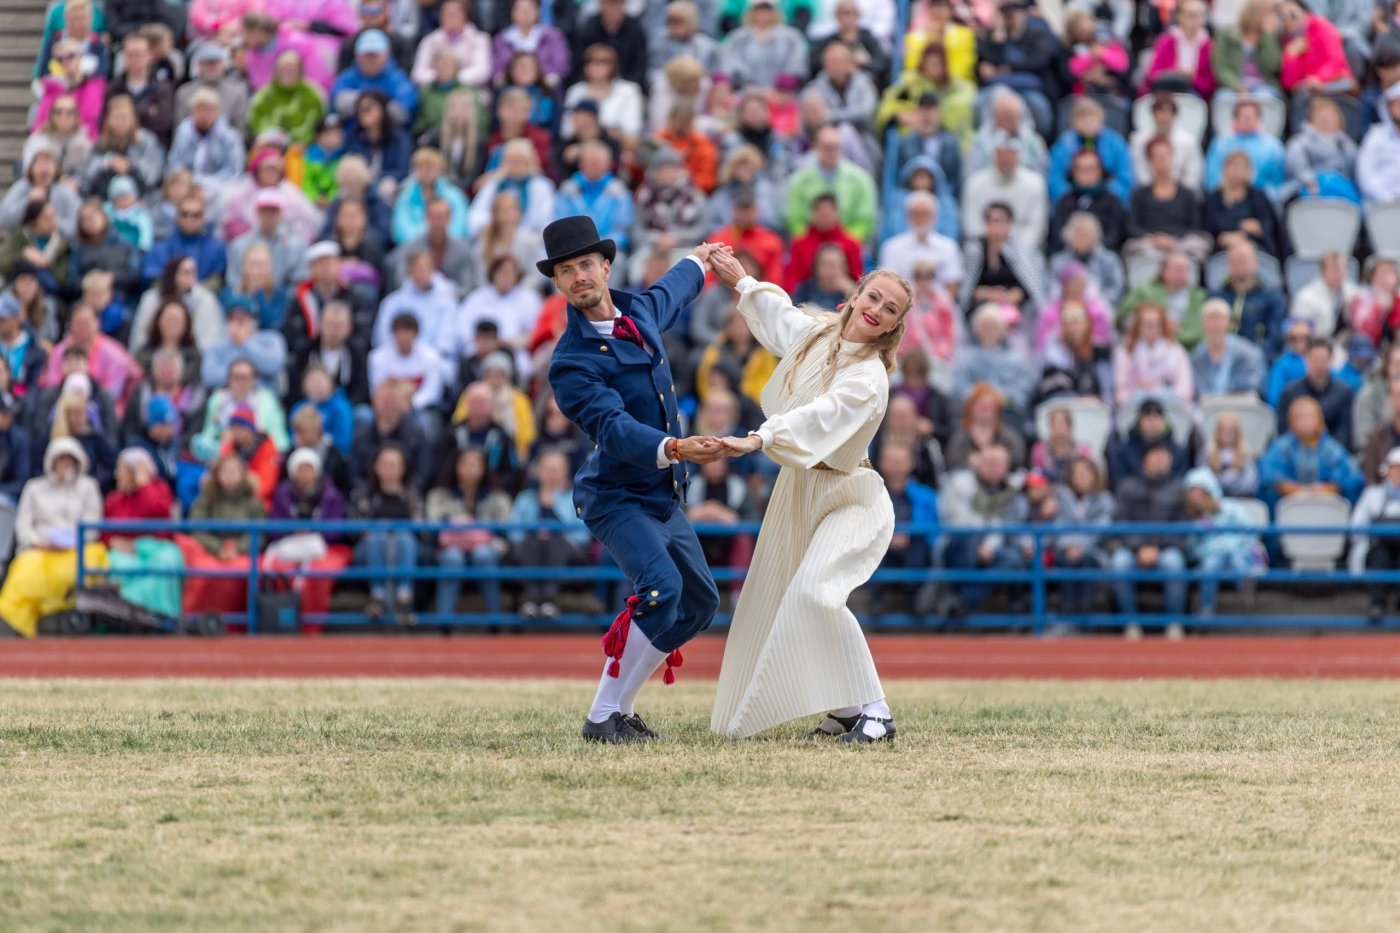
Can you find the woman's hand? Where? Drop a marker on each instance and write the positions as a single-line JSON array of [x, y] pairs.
[[726, 267], [738, 446]]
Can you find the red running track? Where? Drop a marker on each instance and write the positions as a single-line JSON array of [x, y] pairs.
[[581, 656]]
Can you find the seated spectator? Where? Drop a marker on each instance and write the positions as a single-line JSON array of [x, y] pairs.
[[513, 109], [1007, 181], [999, 267], [830, 282], [78, 416], [940, 27], [763, 48], [433, 95], [867, 30], [914, 503], [1379, 504], [41, 182], [1247, 135], [122, 147], [108, 362], [1224, 363], [242, 391], [1153, 495], [983, 425], [1074, 289], [474, 424], [286, 252], [1313, 59], [697, 150], [61, 135], [1019, 53], [427, 183], [548, 499], [374, 72], [1306, 459], [45, 567], [1376, 177], [243, 439], [1327, 300], [1375, 310], [37, 248], [1318, 383], [352, 181], [932, 326], [98, 249], [181, 391], [41, 405], [243, 340], [375, 15], [1052, 456], [743, 171], [926, 87], [412, 365], [1082, 502], [388, 494], [825, 229], [520, 174], [428, 297], [1181, 56], [390, 424], [527, 34], [38, 309], [1229, 460], [306, 495], [1361, 359], [1188, 167], [141, 494], [991, 358], [557, 432], [1290, 365], [923, 135], [1258, 310], [1149, 428], [464, 496], [69, 80], [209, 62], [594, 190], [193, 239], [456, 33], [362, 251], [1088, 195], [507, 301], [153, 96], [1236, 554], [20, 347], [453, 258], [134, 225], [305, 309], [308, 431], [922, 242], [619, 100], [908, 426], [1098, 62], [1081, 237], [746, 234], [229, 494], [1240, 212], [206, 144], [1372, 411], [921, 174], [1087, 132], [1149, 362], [985, 495], [1175, 290], [320, 391], [1073, 363], [736, 350], [382, 141], [255, 287], [828, 171], [1321, 159], [1165, 216], [1246, 57]]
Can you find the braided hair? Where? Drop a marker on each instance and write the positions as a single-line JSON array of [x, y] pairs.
[[834, 325]]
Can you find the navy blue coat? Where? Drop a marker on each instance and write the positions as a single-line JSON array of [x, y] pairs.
[[625, 399]]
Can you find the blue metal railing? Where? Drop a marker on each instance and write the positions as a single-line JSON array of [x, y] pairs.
[[1035, 583]]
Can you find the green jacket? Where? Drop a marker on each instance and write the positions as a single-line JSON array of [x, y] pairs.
[[295, 110], [318, 177], [12, 251], [1227, 58], [432, 104], [214, 505], [855, 196], [1188, 332]]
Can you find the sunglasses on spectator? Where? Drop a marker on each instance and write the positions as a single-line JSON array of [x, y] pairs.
[[925, 275], [65, 111], [193, 215], [67, 56]]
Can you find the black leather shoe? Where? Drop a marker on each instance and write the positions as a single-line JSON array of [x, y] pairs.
[[858, 733], [834, 726], [615, 730], [638, 725]]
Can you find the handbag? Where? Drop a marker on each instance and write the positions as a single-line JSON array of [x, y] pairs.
[[279, 612], [302, 548]]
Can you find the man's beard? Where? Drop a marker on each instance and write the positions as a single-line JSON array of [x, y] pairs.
[[589, 301]]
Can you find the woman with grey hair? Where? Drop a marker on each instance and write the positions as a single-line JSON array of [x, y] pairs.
[[1083, 243]]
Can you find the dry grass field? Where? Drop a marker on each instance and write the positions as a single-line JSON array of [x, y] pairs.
[[446, 805]]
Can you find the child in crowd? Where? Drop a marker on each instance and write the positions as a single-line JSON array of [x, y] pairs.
[[130, 218], [321, 159]]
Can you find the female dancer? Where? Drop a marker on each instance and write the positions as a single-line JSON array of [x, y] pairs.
[[794, 648]]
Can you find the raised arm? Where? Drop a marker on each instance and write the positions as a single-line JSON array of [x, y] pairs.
[[775, 322]]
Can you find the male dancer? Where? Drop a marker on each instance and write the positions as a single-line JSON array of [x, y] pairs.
[[611, 377]]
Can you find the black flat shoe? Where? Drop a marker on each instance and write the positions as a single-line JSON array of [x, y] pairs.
[[858, 733], [374, 609], [615, 730], [638, 725], [834, 726]]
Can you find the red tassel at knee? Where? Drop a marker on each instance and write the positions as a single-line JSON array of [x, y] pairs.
[[673, 660], [615, 641]]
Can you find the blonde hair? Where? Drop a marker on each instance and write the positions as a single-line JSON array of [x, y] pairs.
[[834, 325], [1213, 449], [66, 402]]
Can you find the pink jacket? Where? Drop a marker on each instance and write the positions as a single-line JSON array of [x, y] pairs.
[[1100, 322], [90, 95], [1164, 59], [108, 362], [207, 17], [1111, 56], [1151, 369], [1322, 58], [317, 68]]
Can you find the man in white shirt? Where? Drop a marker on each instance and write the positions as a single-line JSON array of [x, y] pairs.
[[427, 295], [1007, 181], [922, 242]]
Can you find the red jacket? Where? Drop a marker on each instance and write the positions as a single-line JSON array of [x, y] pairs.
[[1322, 56], [264, 463], [804, 253], [151, 501], [759, 242]]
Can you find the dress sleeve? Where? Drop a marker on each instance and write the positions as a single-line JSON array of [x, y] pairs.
[[821, 430], [774, 320]]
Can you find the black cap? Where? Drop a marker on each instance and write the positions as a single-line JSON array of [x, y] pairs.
[[586, 104], [928, 99], [1151, 407]]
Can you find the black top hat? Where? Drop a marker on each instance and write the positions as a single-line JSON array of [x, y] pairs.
[[570, 237]]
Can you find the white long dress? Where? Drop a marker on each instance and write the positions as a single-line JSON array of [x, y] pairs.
[[794, 649]]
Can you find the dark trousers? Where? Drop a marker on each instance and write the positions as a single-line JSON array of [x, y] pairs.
[[914, 557], [1383, 554], [962, 555], [664, 561], [544, 550]]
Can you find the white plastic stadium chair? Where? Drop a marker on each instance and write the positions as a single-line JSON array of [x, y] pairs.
[[1179, 415], [1272, 113], [1093, 420], [1299, 271], [1257, 419], [1256, 509], [1383, 224], [1191, 113], [1321, 224], [1218, 267], [1143, 268], [1308, 551]]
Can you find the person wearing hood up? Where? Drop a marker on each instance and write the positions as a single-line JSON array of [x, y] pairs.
[[921, 174], [46, 534], [1379, 505], [1380, 153], [1236, 553]]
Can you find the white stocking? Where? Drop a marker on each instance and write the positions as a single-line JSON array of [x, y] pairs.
[[639, 662]]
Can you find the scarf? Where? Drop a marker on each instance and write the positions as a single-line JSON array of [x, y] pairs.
[[990, 502], [1188, 52], [520, 42], [521, 187]]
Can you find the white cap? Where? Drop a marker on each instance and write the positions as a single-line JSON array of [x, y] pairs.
[[323, 249]]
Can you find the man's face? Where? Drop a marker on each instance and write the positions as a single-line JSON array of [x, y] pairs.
[[403, 339], [240, 436], [921, 216], [1157, 462], [204, 114], [191, 219], [745, 216], [1151, 424], [371, 64], [439, 217], [1006, 160], [1243, 264], [1088, 123], [9, 327], [930, 119], [838, 63], [269, 218], [83, 329], [421, 272], [210, 70], [1087, 172], [241, 327], [593, 163], [828, 147], [998, 225], [612, 12], [825, 216], [1319, 365], [1215, 326], [138, 56], [1334, 270], [992, 465], [583, 280], [1247, 119], [896, 464]]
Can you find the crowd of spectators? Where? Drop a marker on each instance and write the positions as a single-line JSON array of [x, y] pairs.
[[275, 258]]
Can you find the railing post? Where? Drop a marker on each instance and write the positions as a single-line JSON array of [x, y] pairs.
[[254, 559], [82, 564], [1037, 586]]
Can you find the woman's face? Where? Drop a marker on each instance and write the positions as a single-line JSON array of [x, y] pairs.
[[934, 68], [185, 276], [26, 288], [1150, 324], [1191, 17], [1081, 477], [452, 17], [984, 410], [524, 70], [121, 120], [305, 476], [257, 267], [516, 163], [459, 110], [878, 308], [370, 114], [597, 69], [76, 417], [828, 270], [1326, 120], [65, 114], [230, 475], [389, 468], [553, 471], [269, 174], [92, 221], [524, 15], [47, 221], [471, 467], [287, 71], [350, 222], [505, 276], [505, 211], [43, 171], [1075, 287], [1227, 433], [173, 322], [1385, 278], [126, 477]]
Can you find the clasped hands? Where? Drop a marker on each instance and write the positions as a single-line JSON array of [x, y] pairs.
[[704, 449]]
